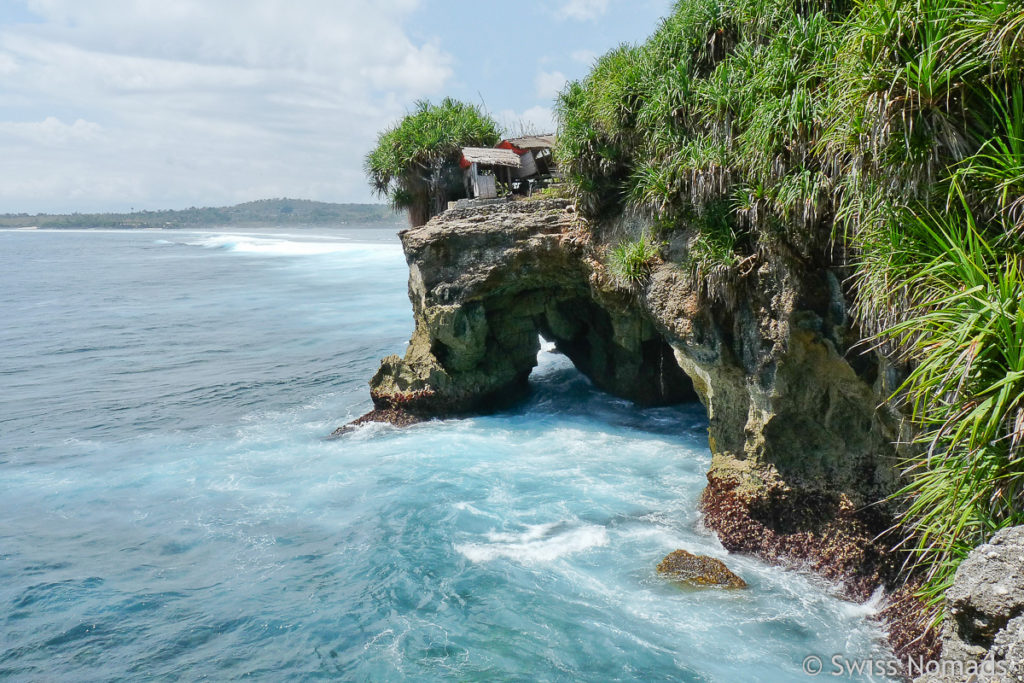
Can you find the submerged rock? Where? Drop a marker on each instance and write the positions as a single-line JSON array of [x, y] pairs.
[[698, 571], [391, 415]]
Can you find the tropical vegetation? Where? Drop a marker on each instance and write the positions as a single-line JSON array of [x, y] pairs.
[[882, 136], [415, 162], [630, 262]]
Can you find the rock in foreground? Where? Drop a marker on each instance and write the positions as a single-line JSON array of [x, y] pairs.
[[698, 571], [984, 628]]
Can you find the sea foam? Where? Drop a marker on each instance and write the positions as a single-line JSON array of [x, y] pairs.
[[539, 543]]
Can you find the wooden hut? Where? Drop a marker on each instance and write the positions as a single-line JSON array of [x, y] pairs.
[[535, 154], [483, 167]]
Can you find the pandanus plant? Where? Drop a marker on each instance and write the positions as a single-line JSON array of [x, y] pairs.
[[415, 162]]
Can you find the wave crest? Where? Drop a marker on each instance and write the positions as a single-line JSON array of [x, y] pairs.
[[275, 246]]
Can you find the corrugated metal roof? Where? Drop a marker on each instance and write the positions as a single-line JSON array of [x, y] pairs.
[[534, 141], [490, 156]]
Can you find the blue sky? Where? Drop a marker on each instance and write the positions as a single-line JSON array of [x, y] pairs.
[[109, 105]]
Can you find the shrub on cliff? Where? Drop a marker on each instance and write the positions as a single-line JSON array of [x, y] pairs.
[[719, 109], [415, 162], [630, 262], [884, 135]]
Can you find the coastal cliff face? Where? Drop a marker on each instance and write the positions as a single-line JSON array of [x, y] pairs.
[[799, 442], [800, 435]]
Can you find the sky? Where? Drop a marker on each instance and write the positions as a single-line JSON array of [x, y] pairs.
[[119, 105]]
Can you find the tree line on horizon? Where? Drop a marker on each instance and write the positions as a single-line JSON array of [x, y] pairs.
[[260, 213]]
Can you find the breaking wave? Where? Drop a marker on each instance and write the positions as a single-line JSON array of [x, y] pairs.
[[277, 246]]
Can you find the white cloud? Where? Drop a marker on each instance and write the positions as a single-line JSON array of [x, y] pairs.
[[7, 64], [549, 84], [582, 10], [163, 104]]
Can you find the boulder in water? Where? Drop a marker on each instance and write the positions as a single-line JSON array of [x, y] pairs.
[[698, 571]]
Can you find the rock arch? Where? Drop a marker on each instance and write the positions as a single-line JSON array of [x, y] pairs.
[[485, 285]]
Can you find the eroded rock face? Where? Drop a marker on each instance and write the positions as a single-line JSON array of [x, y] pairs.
[[1007, 649], [698, 571], [790, 402]]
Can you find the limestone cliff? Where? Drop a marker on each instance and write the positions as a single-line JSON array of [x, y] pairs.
[[793, 409], [801, 448]]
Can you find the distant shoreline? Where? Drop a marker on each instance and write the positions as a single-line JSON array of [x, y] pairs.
[[265, 213]]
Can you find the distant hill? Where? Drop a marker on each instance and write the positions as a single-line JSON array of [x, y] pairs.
[[261, 213]]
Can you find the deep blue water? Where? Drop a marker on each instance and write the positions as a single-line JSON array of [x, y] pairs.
[[170, 509]]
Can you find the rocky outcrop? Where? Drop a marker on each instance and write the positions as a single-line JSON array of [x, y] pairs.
[[698, 571], [484, 284], [984, 629], [799, 444], [801, 449], [791, 406]]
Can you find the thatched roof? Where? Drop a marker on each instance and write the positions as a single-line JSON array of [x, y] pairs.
[[488, 156], [533, 142]]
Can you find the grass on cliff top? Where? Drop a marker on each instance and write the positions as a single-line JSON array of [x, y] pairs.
[[886, 136]]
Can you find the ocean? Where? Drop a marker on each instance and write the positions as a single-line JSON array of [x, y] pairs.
[[171, 508]]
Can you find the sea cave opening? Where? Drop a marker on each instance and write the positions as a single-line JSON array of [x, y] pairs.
[[622, 355]]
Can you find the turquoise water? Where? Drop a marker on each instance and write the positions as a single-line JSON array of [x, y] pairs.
[[170, 509]]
